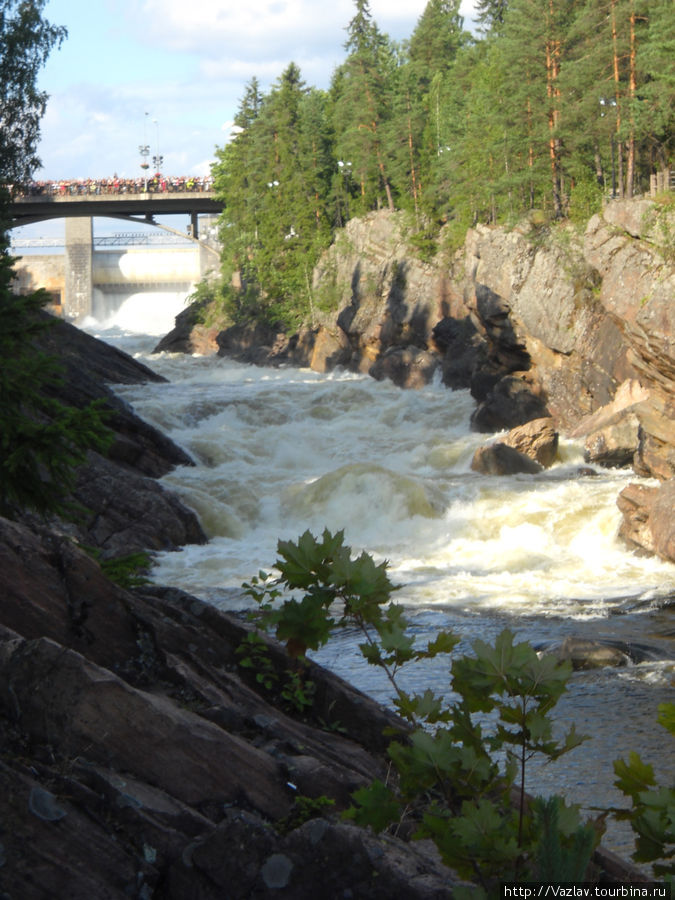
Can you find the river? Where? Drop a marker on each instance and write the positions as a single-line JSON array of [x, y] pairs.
[[278, 451]]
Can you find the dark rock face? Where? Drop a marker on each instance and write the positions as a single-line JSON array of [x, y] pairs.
[[510, 403], [406, 367], [123, 508], [155, 765]]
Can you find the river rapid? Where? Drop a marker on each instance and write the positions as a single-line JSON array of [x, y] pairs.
[[278, 451]]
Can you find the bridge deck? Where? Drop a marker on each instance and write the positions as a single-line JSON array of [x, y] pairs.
[[138, 207]]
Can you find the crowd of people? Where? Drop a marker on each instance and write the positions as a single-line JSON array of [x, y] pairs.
[[96, 186]]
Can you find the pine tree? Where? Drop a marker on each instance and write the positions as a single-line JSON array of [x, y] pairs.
[[422, 116], [490, 13], [362, 107]]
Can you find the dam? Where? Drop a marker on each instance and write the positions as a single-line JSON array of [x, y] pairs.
[[90, 276]]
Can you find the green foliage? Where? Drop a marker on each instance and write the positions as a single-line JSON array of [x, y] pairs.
[[41, 439], [253, 654], [585, 201], [26, 40], [304, 809], [453, 129], [652, 815], [446, 778], [127, 571]]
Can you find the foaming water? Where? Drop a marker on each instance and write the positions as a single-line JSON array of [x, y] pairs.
[[282, 450], [143, 313], [278, 451]]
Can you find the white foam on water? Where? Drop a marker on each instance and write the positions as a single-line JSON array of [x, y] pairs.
[[282, 450], [143, 313]]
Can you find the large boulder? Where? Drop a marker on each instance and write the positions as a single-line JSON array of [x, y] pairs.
[[511, 402], [500, 459], [537, 439]]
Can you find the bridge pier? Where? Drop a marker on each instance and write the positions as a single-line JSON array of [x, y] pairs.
[[79, 282]]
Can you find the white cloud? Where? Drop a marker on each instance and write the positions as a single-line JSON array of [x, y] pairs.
[[187, 64]]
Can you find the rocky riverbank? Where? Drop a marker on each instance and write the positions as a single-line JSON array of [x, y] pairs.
[[139, 759], [538, 321]]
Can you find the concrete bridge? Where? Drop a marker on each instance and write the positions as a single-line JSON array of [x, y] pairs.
[[71, 278]]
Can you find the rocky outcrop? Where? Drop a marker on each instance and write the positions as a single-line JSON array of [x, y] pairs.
[[190, 333], [139, 758], [139, 761], [122, 508], [586, 326], [648, 524]]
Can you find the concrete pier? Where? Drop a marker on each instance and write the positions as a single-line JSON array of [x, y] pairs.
[[79, 267]]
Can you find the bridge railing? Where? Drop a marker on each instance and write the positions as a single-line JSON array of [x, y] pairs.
[[93, 187]]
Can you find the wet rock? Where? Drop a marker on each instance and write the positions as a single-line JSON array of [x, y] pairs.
[[635, 502], [615, 445], [129, 514], [537, 439], [331, 349], [510, 403], [406, 367], [648, 524], [587, 654], [500, 459], [122, 508]]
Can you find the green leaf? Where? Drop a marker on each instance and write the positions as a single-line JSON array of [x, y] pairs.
[[667, 716], [377, 807], [444, 642], [633, 776], [304, 622]]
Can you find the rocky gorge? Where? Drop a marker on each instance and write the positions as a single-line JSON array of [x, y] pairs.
[[541, 322], [139, 758]]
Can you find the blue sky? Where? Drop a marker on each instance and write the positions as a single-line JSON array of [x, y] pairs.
[[170, 73]]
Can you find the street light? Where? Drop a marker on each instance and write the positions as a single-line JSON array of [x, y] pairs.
[[157, 159]]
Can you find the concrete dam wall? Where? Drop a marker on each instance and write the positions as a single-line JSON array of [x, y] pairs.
[[114, 273]]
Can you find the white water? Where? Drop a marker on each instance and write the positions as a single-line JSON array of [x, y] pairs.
[[142, 313], [281, 450]]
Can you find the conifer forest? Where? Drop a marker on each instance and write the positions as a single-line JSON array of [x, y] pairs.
[[549, 106]]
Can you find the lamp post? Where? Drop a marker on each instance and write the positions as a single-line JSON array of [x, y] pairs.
[[157, 159], [144, 150]]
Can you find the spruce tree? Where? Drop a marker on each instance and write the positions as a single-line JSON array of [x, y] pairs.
[[362, 107]]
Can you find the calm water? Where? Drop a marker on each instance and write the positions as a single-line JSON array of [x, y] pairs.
[[282, 450]]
